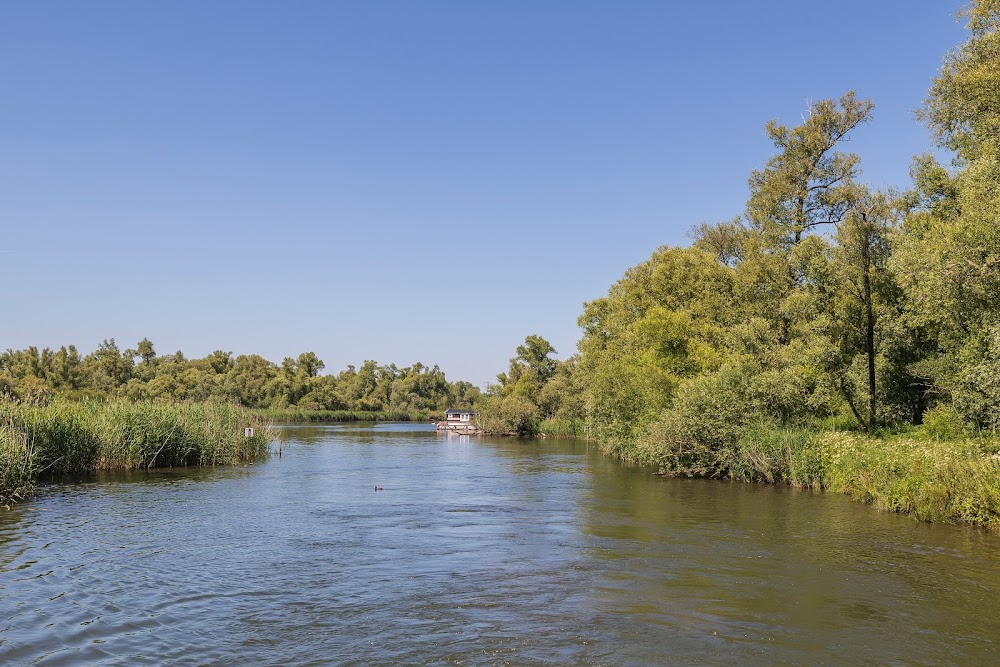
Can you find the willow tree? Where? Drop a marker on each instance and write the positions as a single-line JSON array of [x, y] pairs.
[[807, 183]]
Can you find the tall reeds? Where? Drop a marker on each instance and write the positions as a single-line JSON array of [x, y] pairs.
[[16, 473], [47, 441]]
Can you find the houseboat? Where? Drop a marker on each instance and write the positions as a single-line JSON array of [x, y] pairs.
[[458, 420]]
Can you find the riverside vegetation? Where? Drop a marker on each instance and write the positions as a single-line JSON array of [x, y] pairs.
[[830, 336], [62, 413], [291, 391], [48, 441]]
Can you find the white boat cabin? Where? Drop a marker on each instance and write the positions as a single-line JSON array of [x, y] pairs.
[[460, 417]]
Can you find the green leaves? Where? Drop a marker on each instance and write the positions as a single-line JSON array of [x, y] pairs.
[[807, 183]]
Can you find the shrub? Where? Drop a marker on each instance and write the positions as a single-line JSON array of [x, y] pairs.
[[507, 415], [943, 422]]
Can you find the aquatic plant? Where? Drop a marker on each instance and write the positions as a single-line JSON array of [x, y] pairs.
[[62, 438], [16, 473]]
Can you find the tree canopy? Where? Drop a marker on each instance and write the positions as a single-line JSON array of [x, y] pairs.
[[824, 299], [251, 380]]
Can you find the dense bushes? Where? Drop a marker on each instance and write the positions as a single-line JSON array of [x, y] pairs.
[[508, 415]]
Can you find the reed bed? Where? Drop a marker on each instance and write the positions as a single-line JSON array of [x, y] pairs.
[[49, 441], [17, 479]]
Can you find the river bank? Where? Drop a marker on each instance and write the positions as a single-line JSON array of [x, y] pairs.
[[931, 475], [39, 442], [944, 477]]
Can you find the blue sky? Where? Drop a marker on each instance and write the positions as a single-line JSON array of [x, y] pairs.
[[402, 181]]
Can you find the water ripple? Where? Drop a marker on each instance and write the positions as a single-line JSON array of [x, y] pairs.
[[477, 553]]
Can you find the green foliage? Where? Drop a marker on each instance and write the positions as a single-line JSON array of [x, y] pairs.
[[696, 434], [933, 480], [536, 394], [807, 183], [948, 259], [943, 422], [778, 456], [508, 415], [17, 474], [573, 428], [35, 376], [310, 415], [665, 320], [62, 438], [824, 306], [766, 318]]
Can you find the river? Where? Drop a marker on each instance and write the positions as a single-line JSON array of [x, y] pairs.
[[478, 552]]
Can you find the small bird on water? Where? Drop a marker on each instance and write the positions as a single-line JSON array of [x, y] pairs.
[[379, 488]]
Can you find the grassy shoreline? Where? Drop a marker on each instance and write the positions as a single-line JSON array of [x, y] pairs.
[[39, 442], [953, 478]]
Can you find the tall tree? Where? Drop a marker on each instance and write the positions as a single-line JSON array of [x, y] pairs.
[[807, 183], [861, 257]]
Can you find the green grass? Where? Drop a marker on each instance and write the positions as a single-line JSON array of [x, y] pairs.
[[912, 470], [296, 415], [955, 481], [48, 441]]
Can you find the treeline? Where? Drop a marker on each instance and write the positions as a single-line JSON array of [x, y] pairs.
[[32, 375], [824, 303]]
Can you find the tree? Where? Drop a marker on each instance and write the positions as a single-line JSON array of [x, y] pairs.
[[145, 350], [310, 364], [535, 354], [220, 362], [807, 183], [861, 260]]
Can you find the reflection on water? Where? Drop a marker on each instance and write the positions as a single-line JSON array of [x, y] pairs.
[[478, 551]]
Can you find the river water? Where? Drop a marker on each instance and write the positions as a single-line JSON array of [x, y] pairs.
[[478, 552]]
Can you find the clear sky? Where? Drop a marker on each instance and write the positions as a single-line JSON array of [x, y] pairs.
[[403, 181]]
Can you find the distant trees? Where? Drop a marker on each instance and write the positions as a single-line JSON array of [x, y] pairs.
[[535, 388], [251, 380]]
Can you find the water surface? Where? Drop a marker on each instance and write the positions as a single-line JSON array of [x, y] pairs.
[[478, 552]]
